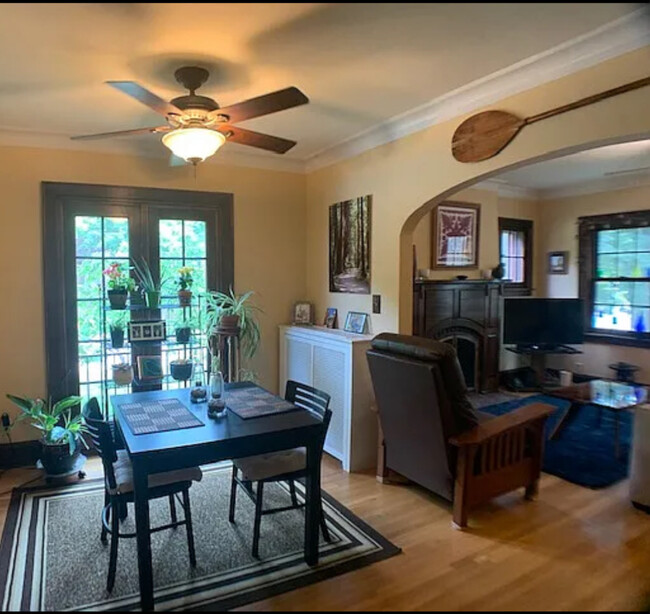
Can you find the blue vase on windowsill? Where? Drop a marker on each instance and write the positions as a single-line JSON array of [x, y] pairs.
[[639, 325]]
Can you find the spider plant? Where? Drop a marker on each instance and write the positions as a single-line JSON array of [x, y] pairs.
[[219, 304], [148, 281]]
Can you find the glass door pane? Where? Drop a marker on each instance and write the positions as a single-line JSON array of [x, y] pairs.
[[99, 242], [183, 243]]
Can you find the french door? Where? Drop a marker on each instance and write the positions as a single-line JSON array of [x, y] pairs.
[[100, 225]]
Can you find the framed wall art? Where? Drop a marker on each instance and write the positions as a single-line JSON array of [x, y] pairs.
[[455, 234], [350, 246], [147, 331], [149, 367], [558, 263]]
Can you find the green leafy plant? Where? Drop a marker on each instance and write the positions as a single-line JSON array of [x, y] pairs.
[[57, 421], [118, 278], [117, 322], [219, 304], [185, 279], [147, 280]]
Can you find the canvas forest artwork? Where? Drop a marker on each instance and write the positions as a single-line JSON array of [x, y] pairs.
[[350, 246]]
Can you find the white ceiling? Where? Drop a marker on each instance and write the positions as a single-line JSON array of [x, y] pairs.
[[360, 64]]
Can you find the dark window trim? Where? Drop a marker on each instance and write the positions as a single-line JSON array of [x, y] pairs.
[[588, 226], [525, 226], [59, 200]]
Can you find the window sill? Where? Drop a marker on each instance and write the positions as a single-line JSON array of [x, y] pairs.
[[609, 339]]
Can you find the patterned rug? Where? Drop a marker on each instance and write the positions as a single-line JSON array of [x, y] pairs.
[[583, 451], [51, 557]]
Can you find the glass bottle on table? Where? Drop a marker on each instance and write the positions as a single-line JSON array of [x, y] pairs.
[[198, 393], [217, 402]]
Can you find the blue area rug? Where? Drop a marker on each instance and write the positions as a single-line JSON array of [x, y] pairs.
[[583, 451]]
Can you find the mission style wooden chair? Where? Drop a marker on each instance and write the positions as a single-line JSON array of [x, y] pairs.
[[434, 437], [287, 465], [118, 489]]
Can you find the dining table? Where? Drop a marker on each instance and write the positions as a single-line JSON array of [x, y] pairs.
[[215, 439]]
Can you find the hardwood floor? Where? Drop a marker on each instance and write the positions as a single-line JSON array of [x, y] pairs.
[[572, 549]]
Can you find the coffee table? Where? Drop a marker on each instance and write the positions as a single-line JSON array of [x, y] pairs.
[[604, 394]]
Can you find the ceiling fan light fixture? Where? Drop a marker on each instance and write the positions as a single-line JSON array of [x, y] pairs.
[[193, 144]]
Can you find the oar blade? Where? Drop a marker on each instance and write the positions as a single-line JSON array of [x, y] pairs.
[[484, 135]]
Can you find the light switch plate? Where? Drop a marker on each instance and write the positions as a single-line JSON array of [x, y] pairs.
[[376, 303]]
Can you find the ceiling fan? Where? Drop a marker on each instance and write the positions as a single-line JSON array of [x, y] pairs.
[[197, 127]]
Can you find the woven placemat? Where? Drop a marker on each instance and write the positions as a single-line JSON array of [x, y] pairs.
[[255, 402], [158, 416]]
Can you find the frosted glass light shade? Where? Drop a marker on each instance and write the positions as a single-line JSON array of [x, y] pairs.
[[193, 144]]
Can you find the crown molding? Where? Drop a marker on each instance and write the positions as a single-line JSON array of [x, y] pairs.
[[507, 190], [593, 186], [117, 146], [621, 36]]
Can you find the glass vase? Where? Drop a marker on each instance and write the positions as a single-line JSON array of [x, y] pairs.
[[217, 402]]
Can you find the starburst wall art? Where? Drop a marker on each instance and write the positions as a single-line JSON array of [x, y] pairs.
[[455, 229]]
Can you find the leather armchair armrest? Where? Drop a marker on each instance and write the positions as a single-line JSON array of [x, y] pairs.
[[514, 419]]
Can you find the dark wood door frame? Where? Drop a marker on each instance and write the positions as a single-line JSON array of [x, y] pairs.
[[62, 200]]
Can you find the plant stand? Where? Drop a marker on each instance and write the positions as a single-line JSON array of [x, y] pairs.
[[77, 468], [228, 348]]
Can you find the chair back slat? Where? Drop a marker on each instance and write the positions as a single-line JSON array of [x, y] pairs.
[[102, 438], [311, 399]]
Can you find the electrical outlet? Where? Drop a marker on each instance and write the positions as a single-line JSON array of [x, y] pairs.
[[376, 303]]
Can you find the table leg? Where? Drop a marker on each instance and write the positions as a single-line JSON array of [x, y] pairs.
[[570, 410], [145, 570], [312, 509]]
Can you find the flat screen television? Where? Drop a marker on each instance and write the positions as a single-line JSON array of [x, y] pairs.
[[543, 322]]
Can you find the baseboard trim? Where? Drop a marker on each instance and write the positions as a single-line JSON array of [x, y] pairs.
[[19, 454]]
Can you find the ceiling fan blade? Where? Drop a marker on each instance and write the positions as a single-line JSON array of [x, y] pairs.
[[143, 95], [101, 135], [263, 105], [257, 139]]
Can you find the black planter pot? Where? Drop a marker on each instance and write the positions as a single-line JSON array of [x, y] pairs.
[[183, 335], [117, 298], [180, 371], [56, 458], [117, 338]]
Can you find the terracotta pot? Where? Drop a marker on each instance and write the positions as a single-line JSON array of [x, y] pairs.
[[122, 375], [184, 298], [117, 298], [56, 458]]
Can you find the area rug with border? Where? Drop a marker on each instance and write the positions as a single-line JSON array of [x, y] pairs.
[[51, 556], [583, 451]]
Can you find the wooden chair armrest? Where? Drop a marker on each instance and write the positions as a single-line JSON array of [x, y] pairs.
[[498, 425]]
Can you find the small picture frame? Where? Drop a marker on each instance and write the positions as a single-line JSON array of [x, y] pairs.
[[355, 322], [303, 313], [147, 331], [149, 368], [558, 263], [331, 317]]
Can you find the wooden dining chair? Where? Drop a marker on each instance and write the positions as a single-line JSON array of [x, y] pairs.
[[285, 466], [119, 491]]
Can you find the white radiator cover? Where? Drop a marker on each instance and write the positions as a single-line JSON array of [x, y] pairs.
[[334, 361]]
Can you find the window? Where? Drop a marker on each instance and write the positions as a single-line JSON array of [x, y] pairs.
[[615, 277], [515, 253], [86, 228]]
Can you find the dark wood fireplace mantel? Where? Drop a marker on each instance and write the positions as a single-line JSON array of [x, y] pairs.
[[468, 315]]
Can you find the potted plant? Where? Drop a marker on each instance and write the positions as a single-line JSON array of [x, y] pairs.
[[148, 282], [183, 328], [230, 311], [184, 282], [119, 285], [61, 429], [122, 373], [181, 369], [116, 327]]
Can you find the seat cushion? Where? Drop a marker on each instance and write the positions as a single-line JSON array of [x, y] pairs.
[[265, 466], [124, 475]]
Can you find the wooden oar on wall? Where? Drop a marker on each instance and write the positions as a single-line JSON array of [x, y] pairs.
[[484, 135]]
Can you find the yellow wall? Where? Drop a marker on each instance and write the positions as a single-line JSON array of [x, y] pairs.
[[269, 218], [559, 232], [406, 178]]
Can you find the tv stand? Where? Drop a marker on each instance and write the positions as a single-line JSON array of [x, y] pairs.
[[538, 354]]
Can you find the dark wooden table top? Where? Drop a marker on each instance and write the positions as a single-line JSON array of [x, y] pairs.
[[227, 429], [604, 393]]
